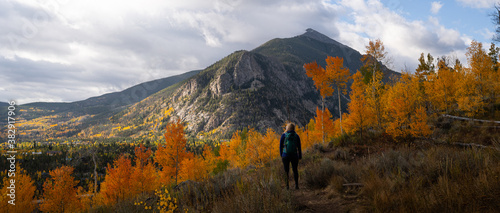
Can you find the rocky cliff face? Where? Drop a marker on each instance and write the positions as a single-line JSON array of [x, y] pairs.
[[248, 90]]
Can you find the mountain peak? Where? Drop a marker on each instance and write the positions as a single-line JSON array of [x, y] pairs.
[[311, 33]]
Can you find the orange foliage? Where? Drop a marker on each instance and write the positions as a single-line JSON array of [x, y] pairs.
[[209, 158], [323, 126], [117, 185], [197, 168], [338, 76], [60, 192], [466, 90], [441, 87], [403, 110], [335, 74], [170, 155], [124, 181], [322, 83], [360, 115], [375, 50], [477, 86], [253, 148], [270, 146], [320, 78], [224, 152], [261, 149], [372, 72], [24, 192], [236, 151], [144, 176], [141, 155], [306, 139], [193, 168], [481, 67], [419, 125], [256, 150], [467, 94]]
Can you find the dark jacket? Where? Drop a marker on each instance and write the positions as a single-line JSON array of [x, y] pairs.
[[282, 143]]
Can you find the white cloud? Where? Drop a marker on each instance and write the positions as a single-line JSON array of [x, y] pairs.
[[116, 44], [487, 33], [71, 50], [478, 3], [436, 6], [404, 39]]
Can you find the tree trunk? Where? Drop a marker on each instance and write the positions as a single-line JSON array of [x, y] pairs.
[[176, 165], [361, 127], [323, 118], [340, 112], [374, 97], [446, 102]]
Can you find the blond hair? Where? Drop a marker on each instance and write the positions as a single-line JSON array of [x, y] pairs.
[[290, 127]]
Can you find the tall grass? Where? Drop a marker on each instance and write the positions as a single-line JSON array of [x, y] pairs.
[[257, 192], [253, 190], [434, 180]]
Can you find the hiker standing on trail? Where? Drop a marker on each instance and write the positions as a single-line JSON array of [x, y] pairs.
[[290, 152]]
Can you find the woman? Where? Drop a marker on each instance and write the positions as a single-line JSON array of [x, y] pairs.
[[290, 152]]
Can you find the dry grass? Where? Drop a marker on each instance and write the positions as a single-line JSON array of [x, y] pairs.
[[419, 178], [259, 192], [434, 180]]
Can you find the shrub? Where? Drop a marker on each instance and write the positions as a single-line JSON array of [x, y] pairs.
[[319, 175], [391, 163], [341, 154], [221, 166]]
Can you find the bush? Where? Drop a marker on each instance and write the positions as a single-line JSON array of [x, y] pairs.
[[391, 163], [319, 175], [221, 166], [343, 140], [320, 148], [349, 172], [341, 154]]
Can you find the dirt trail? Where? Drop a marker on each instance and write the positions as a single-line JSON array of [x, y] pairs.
[[328, 200], [307, 200]]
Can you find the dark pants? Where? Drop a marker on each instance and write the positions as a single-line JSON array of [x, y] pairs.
[[286, 164]]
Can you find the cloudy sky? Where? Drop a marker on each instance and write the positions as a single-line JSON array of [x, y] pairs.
[[61, 50]]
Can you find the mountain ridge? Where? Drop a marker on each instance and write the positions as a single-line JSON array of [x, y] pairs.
[[261, 88], [149, 87], [38, 117]]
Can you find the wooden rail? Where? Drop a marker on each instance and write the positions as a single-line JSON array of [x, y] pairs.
[[470, 119]]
